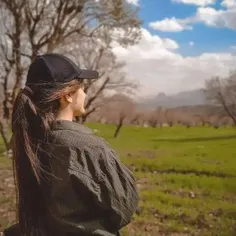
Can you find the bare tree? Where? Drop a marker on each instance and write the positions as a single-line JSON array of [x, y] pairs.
[[222, 93], [202, 118], [225, 121], [118, 109], [155, 117], [125, 109], [29, 27], [134, 120], [170, 117], [142, 117]]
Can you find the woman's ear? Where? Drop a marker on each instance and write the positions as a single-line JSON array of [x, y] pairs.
[[68, 98]]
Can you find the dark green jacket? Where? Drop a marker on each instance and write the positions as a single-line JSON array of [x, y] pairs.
[[92, 192]]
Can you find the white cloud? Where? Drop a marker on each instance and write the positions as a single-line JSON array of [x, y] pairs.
[[133, 2], [217, 18], [233, 47], [196, 2], [159, 68], [150, 46], [170, 25], [207, 15], [191, 43], [170, 44], [229, 3]]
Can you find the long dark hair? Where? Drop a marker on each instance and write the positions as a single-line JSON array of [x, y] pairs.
[[35, 109]]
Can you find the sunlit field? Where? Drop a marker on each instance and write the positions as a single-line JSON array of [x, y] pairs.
[[186, 179]]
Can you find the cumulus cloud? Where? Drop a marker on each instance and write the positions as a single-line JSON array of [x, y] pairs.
[[134, 2], [150, 46], [158, 67], [217, 18], [196, 2], [222, 18], [209, 16], [170, 44], [170, 25], [228, 3]]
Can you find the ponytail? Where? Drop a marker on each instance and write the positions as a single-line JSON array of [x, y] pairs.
[[27, 129], [24, 109]]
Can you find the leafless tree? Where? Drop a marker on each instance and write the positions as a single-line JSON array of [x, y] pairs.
[[155, 117], [170, 117], [225, 121], [135, 118], [202, 119], [29, 27], [118, 109], [142, 117], [125, 109], [222, 93]]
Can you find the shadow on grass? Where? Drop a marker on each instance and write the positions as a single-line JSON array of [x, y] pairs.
[[146, 168], [196, 139]]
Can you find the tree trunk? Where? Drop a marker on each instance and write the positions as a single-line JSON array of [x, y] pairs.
[[230, 114], [4, 133], [118, 128], [81, 119]]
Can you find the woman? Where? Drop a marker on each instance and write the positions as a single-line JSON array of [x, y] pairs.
[[68, 181]]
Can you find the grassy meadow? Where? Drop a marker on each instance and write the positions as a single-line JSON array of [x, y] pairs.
[[186, 179]]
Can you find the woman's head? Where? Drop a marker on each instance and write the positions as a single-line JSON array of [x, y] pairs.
[[54, 90], [55, 77]]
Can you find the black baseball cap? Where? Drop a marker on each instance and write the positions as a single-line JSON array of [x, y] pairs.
[[53, 67]]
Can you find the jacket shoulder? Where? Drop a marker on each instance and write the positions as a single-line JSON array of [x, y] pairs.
[[75, 138]]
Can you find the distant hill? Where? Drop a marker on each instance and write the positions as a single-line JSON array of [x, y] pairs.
[[186, 98]]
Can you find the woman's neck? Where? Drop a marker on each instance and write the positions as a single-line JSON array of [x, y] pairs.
[[65, 115]]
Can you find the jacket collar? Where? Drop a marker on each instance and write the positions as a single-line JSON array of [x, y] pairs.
[[70, 125]]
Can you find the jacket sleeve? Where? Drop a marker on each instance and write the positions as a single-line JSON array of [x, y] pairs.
[[108, 183]]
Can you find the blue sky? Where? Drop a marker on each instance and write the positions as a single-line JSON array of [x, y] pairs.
[[183, 43], [205, 38]]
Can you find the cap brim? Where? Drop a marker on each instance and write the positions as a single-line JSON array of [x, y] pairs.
[[88, 74]]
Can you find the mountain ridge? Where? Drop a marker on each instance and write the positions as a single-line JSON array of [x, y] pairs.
[[186, 98]]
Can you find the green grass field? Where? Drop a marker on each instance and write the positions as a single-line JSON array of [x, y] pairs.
[[186, 179]]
